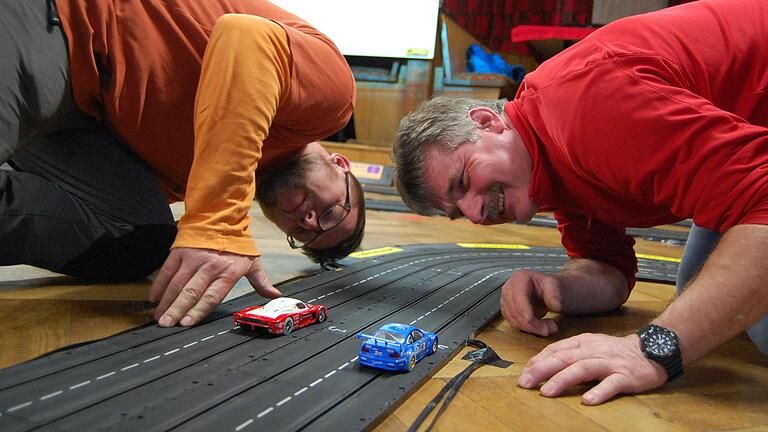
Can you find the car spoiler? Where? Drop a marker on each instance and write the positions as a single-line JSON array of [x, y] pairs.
[[378, 341]]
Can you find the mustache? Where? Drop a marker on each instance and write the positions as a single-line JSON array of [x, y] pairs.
[[492, 203]]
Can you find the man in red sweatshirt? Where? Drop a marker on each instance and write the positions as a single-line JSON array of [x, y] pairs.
[[649, 120], [110, 109]]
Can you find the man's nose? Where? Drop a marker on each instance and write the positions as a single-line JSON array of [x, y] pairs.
[[309, 221], [471, 206]]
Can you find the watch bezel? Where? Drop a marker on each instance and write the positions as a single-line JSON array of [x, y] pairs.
[[671, 360]]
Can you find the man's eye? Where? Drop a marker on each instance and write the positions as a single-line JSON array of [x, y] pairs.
[[461, 183]]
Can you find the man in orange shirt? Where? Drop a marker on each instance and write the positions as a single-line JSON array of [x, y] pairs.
[[110, 109]]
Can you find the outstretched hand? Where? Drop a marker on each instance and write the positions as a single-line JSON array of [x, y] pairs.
[[617, 362], [192, 282]]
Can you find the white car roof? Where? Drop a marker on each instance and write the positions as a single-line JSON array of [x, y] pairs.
[[282, 304]]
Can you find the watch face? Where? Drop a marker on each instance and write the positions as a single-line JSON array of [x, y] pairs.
[[659, 343]]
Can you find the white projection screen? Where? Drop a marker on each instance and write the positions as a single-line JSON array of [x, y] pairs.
[[373, 28]]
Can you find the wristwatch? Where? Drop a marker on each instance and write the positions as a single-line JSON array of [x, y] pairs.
[[660, 345]]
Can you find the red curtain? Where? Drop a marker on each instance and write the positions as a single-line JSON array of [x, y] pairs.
[[491, 21]]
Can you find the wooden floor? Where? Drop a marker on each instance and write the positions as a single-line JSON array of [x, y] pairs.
[[727, 390]]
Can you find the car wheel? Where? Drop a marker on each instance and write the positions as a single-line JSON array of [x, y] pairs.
[[321, 316], [412, 362], [434, 347], [288, 325]]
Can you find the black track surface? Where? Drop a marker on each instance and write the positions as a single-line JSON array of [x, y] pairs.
[[214, 377]]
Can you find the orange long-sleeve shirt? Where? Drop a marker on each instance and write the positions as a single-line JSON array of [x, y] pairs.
[[206, 92]]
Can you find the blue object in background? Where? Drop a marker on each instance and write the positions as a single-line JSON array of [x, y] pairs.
[[396, 347], [479, 61]]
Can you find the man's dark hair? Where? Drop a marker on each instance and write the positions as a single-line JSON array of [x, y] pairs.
[[351, 243]]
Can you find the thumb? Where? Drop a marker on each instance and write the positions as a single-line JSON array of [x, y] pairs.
[[548, 289], [260, 282]]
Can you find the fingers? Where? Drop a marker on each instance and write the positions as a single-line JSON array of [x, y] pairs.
[[205, 303], [581, 371], [194, 282], [616, 361], [181, 278], [608, 388], [517, 306], [571, 343], [164, 275], [195, 291], [260, 282]]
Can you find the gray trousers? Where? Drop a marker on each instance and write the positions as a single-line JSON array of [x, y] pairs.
[[77, 201], [701, 242]]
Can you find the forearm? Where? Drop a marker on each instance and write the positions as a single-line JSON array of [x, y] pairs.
[[590, 286], [245, 75], [730, 293]]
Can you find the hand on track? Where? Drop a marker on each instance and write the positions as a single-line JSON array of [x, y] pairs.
[[192, 282]]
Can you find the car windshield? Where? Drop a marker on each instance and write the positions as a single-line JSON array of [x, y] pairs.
[[278, 305], [388, 335]]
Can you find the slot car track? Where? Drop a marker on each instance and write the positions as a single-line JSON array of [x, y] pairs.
[[651, 234], [218, 377]]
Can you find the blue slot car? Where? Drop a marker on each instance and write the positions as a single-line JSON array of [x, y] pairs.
[[396, 347]]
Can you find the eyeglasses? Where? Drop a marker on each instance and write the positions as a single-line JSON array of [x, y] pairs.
[[328, 220]]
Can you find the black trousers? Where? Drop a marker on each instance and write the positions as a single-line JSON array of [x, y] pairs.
[[77, 201]]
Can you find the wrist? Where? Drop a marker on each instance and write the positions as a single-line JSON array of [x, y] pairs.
[[661, 345]]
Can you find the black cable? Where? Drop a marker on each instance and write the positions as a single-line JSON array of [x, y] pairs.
[[483, 355]]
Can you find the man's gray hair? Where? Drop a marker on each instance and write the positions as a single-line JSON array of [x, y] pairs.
[[442, 122]]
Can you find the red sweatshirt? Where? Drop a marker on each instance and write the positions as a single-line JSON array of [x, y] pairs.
[[649, 120]]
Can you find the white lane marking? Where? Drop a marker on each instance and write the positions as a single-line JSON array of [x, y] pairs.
[[20, 406], [151, 358], [343, 366], [244, 425], [128, 367], [80, 385], [222, 332], [355, 358], [462, 291], [265, 412], [190, 344], [319, 380], [283, 401], [206, 338], [50, 395], [301, 391], [403, 266], [106, 375], [172, 351], [329, 374]]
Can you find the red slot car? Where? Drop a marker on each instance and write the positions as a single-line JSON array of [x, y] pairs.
[[281, 315]]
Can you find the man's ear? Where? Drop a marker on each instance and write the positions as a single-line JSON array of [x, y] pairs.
[[486, 119], [341, 161]]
